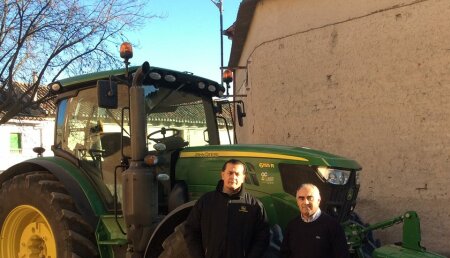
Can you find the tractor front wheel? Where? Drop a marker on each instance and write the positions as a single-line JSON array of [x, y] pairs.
[[38, 218]]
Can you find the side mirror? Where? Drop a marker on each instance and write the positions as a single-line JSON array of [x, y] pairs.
[[240, 114], [107, 94]]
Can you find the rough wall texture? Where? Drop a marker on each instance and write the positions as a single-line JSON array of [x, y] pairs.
[[370, 81]]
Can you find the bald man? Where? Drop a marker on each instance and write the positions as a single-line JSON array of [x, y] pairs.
[[313, 234]]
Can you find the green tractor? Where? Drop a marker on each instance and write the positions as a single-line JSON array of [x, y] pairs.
[[133, 150]]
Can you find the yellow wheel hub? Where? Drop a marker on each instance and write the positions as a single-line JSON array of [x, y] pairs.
[[26, 233]]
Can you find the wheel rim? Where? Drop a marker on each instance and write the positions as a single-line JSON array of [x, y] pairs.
[[26, 233]]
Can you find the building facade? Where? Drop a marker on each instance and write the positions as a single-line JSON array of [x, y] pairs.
[[32, 127], [18, 137], [369, 80]]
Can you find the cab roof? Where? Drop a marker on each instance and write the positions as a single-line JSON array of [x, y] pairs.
[[157, 76]]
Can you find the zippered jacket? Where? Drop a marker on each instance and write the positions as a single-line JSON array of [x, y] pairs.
[[227, 226]]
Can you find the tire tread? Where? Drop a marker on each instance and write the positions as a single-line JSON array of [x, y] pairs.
[[175, 245], [77, 235]]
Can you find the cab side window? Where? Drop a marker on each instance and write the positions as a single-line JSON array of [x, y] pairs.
[[94, 135]]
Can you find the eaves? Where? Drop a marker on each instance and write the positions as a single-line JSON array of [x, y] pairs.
[[243, 22]]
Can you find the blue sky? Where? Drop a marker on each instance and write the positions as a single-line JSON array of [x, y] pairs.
[[187, 38]]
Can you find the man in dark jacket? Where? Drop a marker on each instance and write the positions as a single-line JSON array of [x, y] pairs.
[[228, 222], [313, 234]]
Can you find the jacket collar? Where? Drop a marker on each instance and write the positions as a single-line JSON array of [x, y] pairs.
[[219, 188]]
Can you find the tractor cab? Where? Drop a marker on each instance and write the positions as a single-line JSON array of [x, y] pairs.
[[93, 122]]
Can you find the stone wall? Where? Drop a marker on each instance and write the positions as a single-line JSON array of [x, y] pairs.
[[369, 80]]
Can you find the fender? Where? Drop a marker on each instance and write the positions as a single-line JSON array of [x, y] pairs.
[[178, 196], [166, 227], [78, 185]]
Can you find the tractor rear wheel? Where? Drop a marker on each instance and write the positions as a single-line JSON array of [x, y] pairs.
[[38, 218], [175, 245]]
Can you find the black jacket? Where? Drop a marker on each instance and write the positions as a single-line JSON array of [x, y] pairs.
[[223, 226]]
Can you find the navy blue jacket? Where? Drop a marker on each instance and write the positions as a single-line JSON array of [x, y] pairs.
[[322, 238]]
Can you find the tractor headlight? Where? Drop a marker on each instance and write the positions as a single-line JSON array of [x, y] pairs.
[[334, 176], [55, 87]]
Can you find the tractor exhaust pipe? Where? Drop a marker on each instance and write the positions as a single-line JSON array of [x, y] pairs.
[[140, 188]]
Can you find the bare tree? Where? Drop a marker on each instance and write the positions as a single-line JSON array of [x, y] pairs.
[[57, 37]]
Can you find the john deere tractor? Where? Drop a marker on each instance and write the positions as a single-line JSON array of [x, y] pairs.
[[133, 150]]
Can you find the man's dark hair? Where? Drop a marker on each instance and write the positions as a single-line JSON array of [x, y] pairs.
[[234, 162]]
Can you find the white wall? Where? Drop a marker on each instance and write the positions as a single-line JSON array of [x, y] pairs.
[[34, 134]]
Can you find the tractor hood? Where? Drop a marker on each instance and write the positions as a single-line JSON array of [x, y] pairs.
[[287, 153]]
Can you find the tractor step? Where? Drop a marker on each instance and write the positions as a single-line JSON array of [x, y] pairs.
[[109, 232]]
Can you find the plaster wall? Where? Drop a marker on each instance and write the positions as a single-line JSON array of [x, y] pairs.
[[33, 133], [369, 80]]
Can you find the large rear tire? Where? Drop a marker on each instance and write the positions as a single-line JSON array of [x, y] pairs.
[[38, 218], [175, 245]]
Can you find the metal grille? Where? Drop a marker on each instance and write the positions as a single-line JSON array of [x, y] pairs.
[[337, 200]]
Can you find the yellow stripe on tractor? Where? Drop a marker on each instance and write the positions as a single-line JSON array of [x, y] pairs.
[[215, 154]]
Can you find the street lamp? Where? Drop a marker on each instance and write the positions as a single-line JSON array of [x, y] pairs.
[[218, 3]]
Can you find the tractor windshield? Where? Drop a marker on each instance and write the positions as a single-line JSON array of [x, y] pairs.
[[175, 118], [175, 114]]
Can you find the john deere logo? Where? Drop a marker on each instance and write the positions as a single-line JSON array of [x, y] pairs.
[[206, 154], [243, 209], [350, 194]]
